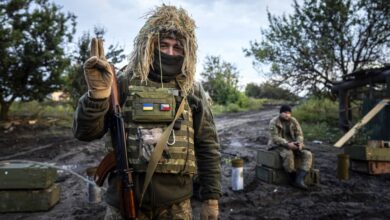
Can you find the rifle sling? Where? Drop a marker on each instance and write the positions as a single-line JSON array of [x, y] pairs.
[[158, 150]]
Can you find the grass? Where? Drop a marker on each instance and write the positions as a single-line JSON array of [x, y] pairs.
[[319, 119], [317, 111], [249, 105], [47, 112], [321, 131]]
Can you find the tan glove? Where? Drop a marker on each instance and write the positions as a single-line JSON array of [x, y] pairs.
[[209, 210], [98, 72]]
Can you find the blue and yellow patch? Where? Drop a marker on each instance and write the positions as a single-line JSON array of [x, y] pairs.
[[147, 107]]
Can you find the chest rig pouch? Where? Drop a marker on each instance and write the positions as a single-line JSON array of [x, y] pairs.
[[148, 112], [153, 104]]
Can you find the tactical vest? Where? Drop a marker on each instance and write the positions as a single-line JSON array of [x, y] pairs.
[[147, 112]]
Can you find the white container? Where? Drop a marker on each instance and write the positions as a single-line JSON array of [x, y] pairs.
[[93, 191], [237, 174]]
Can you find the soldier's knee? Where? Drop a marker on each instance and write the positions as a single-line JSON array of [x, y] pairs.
[[287, 154], [307, 154], [289, 169]]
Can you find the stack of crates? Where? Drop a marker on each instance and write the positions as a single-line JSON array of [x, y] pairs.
[[27, 187], [374, 158], [269, 169]]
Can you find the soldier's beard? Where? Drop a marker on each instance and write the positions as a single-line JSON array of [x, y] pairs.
[[285, 117]]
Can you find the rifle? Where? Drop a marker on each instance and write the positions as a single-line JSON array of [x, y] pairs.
[[116, 161], [117, 129]]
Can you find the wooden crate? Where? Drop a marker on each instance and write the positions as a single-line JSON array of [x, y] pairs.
[[279, 176], [272, 159], [26, 176], [370, 167], [368, 153], [29, 200]]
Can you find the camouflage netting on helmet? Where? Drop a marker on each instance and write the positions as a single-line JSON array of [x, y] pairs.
[[164, 19]]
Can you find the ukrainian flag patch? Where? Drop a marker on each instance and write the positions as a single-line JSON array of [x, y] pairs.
[[147, 107]]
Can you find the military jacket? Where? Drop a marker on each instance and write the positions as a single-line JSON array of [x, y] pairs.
[[276, 130]]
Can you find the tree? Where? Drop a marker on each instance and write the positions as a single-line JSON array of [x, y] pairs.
[[269, 90], [75, 82], [220, 80], [33, 35], [323, 40]]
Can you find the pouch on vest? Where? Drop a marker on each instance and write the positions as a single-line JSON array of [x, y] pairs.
[[153, 104]]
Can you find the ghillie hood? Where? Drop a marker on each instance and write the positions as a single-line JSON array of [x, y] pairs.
[[164, 19]]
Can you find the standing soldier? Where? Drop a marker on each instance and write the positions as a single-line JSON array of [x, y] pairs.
[[287, 139], [158, 78]]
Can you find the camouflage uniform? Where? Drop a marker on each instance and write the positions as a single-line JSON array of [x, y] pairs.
[[181, 210], [282, 132], [169, 191]]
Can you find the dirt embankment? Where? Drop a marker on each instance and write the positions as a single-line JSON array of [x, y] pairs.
[[362, 197]]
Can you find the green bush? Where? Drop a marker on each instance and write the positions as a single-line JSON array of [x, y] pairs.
[[269, 90], [319, 119], [316, 110], [218, 109], [242, 100], [255, 104], [320, 131], [245, 104], [233, 107]]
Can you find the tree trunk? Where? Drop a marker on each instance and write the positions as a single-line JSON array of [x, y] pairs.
[[4, 111]]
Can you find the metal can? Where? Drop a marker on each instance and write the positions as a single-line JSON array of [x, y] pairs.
[[237, 174], [93, 191], [343, 166]]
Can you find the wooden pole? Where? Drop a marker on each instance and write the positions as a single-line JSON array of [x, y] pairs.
[[361, 123]]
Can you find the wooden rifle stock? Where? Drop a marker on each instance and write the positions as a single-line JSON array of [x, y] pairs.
[[117, 129]]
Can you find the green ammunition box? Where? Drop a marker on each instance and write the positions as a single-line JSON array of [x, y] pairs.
[[269, 159], [272, 159], [279, 176], [26, 176], [29, 200], [270, 175], [367, 153]]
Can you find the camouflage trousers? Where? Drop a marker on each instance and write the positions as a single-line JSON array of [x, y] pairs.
[[181, 210], [304, 159]]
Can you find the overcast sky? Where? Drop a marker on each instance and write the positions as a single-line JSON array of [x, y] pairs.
[[224, 27]]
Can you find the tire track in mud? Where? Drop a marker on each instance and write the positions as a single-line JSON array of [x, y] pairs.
[[232, 120]]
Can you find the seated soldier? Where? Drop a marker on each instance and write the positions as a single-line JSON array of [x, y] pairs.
[[286, 137]]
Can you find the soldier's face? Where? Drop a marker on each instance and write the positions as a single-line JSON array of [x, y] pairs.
[[285, 115], [171, 47]]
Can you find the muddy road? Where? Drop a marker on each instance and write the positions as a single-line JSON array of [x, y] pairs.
[[241, 134]]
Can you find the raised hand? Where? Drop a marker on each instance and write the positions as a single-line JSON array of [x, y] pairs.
[[97, 71]]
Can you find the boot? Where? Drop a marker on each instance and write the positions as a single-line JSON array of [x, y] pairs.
[[300, 179], [292, 176]]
